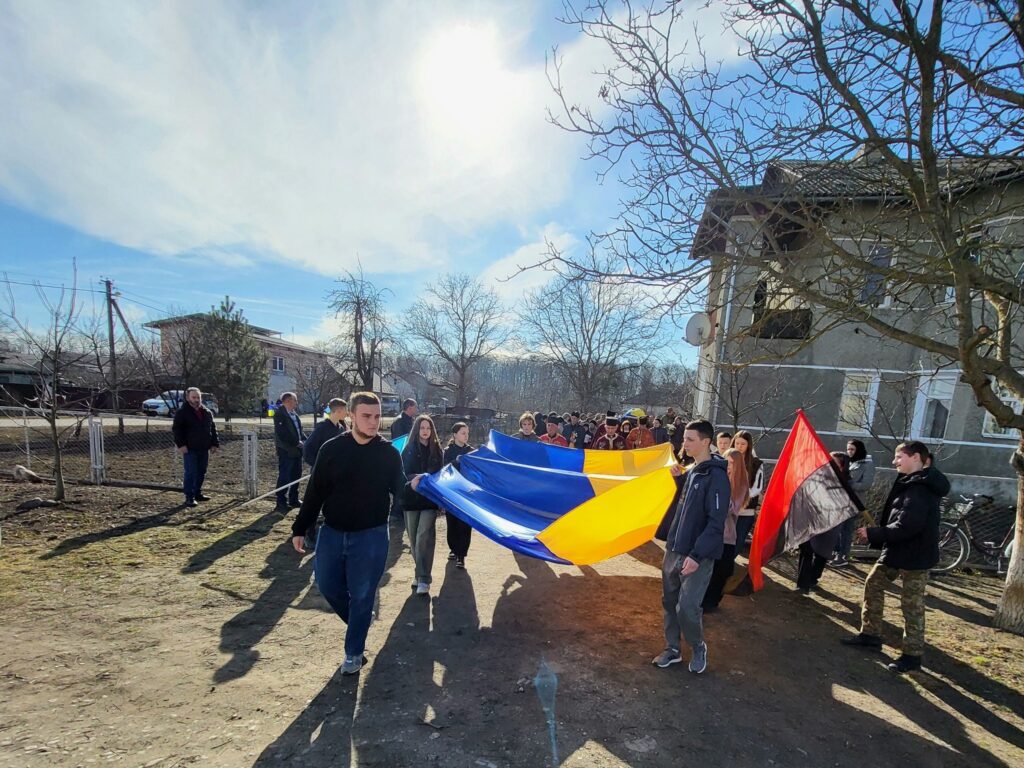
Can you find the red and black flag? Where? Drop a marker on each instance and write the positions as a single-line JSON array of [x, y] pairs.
[[805, 497]]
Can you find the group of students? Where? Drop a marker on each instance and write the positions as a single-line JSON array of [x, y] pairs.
[[359, 479], [608, 432]]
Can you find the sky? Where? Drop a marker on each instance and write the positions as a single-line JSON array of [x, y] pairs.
[[189, 150]]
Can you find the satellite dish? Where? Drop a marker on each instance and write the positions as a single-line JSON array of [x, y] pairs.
[[698, 329]]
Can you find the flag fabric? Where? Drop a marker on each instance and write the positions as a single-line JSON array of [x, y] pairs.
[[559, 504], [399, 442], [804, 497]]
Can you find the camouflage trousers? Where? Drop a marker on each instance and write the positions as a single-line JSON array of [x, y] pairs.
[[911, 601]]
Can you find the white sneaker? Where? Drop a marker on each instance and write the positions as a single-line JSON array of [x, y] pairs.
[[423, 588]]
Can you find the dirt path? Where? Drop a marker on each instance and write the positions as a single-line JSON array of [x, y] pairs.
[[143, 635]]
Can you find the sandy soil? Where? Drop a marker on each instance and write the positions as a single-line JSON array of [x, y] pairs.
[[141, 634]]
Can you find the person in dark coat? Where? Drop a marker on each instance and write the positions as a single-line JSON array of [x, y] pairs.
[[459, 532], [815, 553], [908, 535], [195, 435], [526, 427], [325, 430], [403, 424], [696, 538], [421, 456], [288, 440], [658, 432]]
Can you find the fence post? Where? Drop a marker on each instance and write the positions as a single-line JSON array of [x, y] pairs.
[[250, 463], [97, 456], [28, 438]]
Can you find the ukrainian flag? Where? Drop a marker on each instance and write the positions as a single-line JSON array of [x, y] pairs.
[[558, 504]]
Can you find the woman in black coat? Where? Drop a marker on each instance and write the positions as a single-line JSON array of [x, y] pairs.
[[421, 456], [459, 532]]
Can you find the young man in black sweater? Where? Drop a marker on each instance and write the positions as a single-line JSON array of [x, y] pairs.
[[354, 480]]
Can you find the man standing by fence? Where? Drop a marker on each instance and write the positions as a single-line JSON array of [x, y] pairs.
[[403, 423], [195, 435], [288, 440]]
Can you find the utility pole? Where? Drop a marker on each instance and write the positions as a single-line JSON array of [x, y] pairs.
[[110, 338]]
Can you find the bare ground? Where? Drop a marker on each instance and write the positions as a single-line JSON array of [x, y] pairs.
[[141, 634]]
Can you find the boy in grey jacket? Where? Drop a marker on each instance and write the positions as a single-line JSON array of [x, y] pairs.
[[695, 541]]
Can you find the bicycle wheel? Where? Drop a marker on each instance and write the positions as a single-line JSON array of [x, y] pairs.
[[954, 548]]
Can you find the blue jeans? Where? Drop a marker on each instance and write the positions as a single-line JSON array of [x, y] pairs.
[[195, 472], [348, 568], [289, 468], [846, 536], [744, 524]]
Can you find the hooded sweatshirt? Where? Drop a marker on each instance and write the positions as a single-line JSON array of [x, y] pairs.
[[698, 528], [908, 531]]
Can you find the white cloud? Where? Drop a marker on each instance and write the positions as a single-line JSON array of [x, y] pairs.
[[505, 275], [311, 134]]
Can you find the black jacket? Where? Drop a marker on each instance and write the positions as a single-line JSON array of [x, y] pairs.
[[353, 485], [286, 438], [453, 452], [698, 528], [322, 432], [401, 426], [908, 531], [416, 461], [195, 431]]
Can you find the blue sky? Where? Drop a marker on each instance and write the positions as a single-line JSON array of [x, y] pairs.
[[189, 150]]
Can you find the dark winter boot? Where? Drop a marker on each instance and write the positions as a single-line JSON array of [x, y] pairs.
[[863, 641], [905, 664]]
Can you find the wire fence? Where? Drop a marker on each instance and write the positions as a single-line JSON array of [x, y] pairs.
[[137, 450]]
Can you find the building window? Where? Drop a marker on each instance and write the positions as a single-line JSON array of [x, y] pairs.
[[874, 292], [277, 364], [857, 404], [309, 373], [934, 404], [990, 428]]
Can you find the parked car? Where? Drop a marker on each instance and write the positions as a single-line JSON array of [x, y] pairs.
[[167, 403]]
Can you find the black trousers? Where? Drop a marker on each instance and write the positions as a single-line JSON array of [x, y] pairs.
[[810, 567], [458, 535], [719, 576]]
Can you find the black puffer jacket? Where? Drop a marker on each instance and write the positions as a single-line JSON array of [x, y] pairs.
[[908, 531], [416, 460]]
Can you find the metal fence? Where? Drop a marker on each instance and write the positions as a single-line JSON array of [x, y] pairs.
[[129, 448]]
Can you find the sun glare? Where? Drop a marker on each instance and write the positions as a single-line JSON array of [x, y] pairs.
[[466, 91]]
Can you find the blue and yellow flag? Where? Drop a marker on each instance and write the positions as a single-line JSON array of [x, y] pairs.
[[558, 504]]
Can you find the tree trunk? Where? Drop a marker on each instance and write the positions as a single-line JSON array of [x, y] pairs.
[[58, 465], [1010, 610]]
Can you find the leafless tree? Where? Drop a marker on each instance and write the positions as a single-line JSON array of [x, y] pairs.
[[52, 344], [360, 348], [318, 382], [908, 119], [458, 322], [591, 332]]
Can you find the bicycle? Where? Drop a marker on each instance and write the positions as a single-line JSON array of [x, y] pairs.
[[977, 522]]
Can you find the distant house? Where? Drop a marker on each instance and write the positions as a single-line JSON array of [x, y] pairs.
[[770, 353], [291, 367]]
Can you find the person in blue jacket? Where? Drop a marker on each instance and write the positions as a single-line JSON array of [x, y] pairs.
[[695, 541]]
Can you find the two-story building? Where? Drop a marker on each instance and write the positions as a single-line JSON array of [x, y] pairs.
[[770, 351]]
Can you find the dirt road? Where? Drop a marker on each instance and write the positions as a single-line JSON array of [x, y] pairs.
[[138, 634]]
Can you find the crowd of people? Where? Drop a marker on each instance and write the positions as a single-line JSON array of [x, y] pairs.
[[358, 480]]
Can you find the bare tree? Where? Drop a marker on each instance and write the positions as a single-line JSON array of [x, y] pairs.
[[457, 321], [592, 332], [359, 306], [911, 118], [318, 382], [52, 344]]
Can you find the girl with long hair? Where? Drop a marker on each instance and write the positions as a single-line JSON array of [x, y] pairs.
[[743, 441], [458, 532], [421, 456], [739, 487]]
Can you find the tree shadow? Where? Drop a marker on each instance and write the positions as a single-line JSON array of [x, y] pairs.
[[241, 633], [172, 516]]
